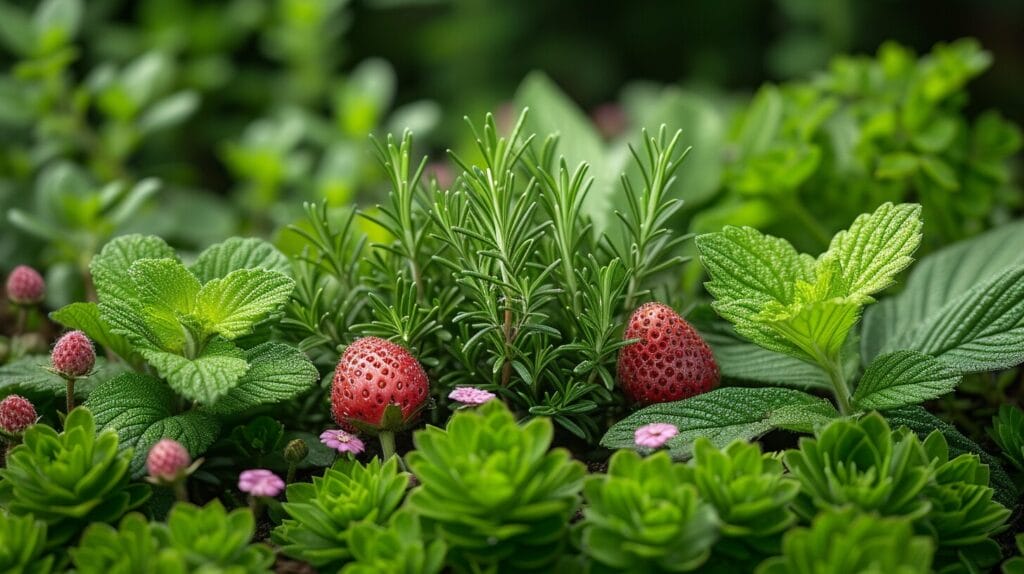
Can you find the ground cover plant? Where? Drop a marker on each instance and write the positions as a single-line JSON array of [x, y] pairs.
[[783, 336]]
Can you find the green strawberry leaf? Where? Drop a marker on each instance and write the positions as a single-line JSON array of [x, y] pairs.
[[276, 373], [205, 378], [31, 376], [238, 253], [903, 378], [233, 305], [140, 409], [167, 291], [724, 415], [86, 318]]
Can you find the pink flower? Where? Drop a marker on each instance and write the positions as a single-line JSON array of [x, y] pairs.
[[25, 286], [655, 435], [260, 482], [470, 395], [167, 460], [73, 356], [16, 414], [342, 441]]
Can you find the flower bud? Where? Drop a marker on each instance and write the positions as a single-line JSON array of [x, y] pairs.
[[167, 460], [25, 286], [295, 451], [73, 356], [16, 414]]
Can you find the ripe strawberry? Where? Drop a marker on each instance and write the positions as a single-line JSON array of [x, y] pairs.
[[372, 375], [73, 356], [16, 414], [25, 286], [670, 362]]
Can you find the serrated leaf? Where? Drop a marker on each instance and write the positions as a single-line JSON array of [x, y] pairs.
[[140, 409], [723, 415], [30, 375], [167, 291], [205, 378], [276, 373], [876, 247], [745, 361], [746, 265], [232, 306], [238, 253], [86, 318], [936, 280], [981, 330], [903, 378]]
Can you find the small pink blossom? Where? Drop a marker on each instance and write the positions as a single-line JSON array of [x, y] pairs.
[[655, 435], [260, 482], [167, 460], [470, 395], [342, 441]]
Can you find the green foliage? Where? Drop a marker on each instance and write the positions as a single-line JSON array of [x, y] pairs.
[[749, 494], [24, 547], [1015, 565], [322, 513], [194, 539], [493, 492], [70, 479], [903, 378], [639, 518], [1008, 432], [398, 547], [847, 542]]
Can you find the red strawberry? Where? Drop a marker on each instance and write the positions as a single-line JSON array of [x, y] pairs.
[[670, 362], [372, 375], [25, 286]]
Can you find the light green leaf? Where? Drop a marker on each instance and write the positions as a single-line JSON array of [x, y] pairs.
[[30, 375], [981, 330], [168, 112], [724, 415], [746, 265], [167, 292], [237, 253], [936, 280], [140, 409], [877, 247], [232, 306], [761, 123], [86, 318], [745, 361], [897, 165], [903, 378], [56, 22], [940, 172], [276, 373], [817, 328], [205, 378]]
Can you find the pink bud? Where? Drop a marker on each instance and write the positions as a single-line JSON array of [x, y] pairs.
[[167, 460], [73, 355], [25, 286], [16, 414], [260, 482]]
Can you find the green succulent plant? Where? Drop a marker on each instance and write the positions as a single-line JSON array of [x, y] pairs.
[[493, 491], [644, 516], [848, 542], [24, 545], [320, 513], [70, 479], [399, 547], [750, 495], [195, 539], [1008, 432]]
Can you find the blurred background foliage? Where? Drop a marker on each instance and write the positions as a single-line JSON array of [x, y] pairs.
[[196, 120]]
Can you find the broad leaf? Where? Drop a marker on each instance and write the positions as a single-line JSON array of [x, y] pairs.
[[86, 318], [903, 378], [31, 375], [232, 306], [981, 330], [935, 281], [877, 247], [167, 291], [276, 373], [745, 361], [746, 265], [724, 415], [205, 378], [140, 409], [238, 253]]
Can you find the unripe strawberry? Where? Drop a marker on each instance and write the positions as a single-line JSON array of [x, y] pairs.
[[73, 356], [16, 414], [372, 375], [670, 361], [167, 460], [25, 286]]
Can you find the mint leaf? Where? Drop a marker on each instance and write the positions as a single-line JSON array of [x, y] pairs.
[[936, 280], [167, 292], [877, 247], [139, 409], [86, 318], [981, 330], [903, 378], [204, 378], [231, 306], [724, 415], [276, 373], [238, 253], [746, 265], [745, 361]]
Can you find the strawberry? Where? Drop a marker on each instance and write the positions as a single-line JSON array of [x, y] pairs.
[[373, 375], [25, 286], [670, 361]]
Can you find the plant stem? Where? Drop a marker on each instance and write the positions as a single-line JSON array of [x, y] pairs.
[[70, 394], [506, 369], [290, 477], [839, 388], [387, 444], [22, 319], [180, 492]]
